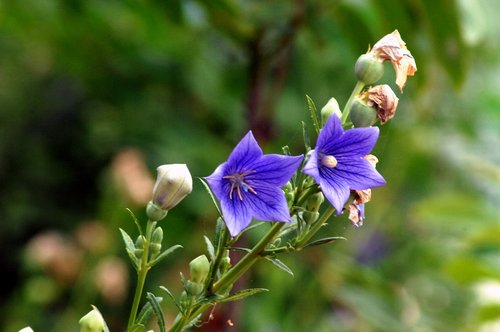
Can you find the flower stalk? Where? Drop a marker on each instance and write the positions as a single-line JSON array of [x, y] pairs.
[[142, 272]]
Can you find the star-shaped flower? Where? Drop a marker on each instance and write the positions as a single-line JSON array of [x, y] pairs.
[[338, 164], [248, 185]]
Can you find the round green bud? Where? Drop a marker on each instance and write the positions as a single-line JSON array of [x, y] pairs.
[[139, 247], [331, 107], [310, 217], [361, 114], [198, 269], [368, 68], [157, 236], [314, 202], [155, 212]]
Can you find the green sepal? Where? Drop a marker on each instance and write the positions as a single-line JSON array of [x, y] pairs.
[[214, 200], [326, 240], [165, 254], [130, 248], [314, 114], [279, 264], [155, 305], [146, 313], [210, 248]]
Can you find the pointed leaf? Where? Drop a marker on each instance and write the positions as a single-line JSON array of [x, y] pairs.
[[307, 141], [214, 200], [326, 240], [210, 248], [138, 328], [242, 294], [155, 305], [136, 222], [146, 313], [173, 298], [314, 114], [165, 254], [240, 249], [279, 264], [130, 248]]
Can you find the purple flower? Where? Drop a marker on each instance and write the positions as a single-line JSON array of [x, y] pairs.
[[338, 164], [248, 185]]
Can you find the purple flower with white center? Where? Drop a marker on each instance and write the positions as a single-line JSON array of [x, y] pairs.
[[338, 164], [248, 185]]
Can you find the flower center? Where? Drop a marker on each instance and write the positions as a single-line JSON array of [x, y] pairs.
[[328, 161], [237, 181]]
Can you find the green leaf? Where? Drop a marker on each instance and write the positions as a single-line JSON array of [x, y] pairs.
[[240, 249], [307, 141], [242, 294], [146, 313], [210, 248], [165, 254], [314, 114], [130, 248], [325, 240], [155, 305], [173, 298], [279, 264], [214, 200], [138, 328], [136, 222]]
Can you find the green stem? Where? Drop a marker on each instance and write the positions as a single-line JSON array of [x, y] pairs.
[[141, 274], [248, 260], [347, 108], [221, 248], [230, 277], [315, 228]]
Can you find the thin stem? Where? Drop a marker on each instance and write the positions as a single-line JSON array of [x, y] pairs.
[[347, 108], [248, 260], [221, 248], [141, 274], [316, 227]]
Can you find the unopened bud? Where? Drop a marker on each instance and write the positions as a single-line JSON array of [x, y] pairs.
[[331, 107], [139, 247], [92, 322], [26, 329], [289, 193], [369, 69], [157, 236], [310, 217], [198, 269], [173, 183], [314, 202], [362, 114]]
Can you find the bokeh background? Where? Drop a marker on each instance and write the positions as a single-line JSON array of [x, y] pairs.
[[94, 95]]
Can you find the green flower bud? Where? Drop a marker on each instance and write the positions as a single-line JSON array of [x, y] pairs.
[[173, 183], [369, 69], [331, 107], [314, 202], [361, 114], [157, 236], [310, 217], [26, 329], [198, 269], [139, 247], [92, 322], [289, 193]]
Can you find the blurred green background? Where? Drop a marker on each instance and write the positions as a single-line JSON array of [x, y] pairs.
[[95, 94]]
